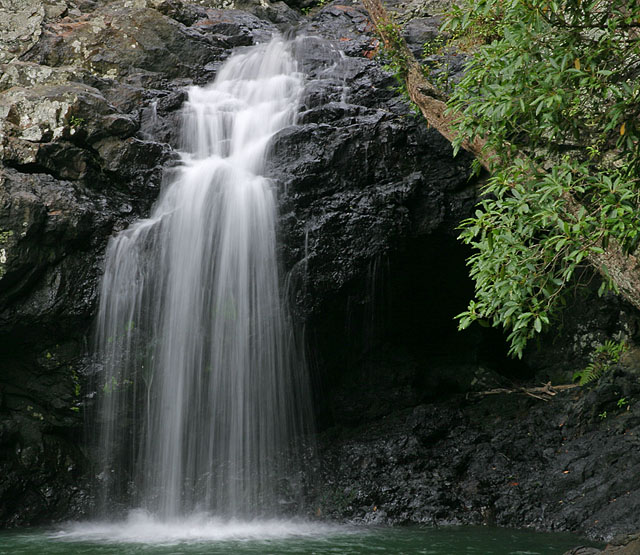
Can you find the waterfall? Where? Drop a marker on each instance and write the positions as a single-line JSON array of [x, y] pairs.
[[203, 390]]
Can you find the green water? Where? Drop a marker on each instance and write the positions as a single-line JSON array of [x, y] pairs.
[[143, 536]]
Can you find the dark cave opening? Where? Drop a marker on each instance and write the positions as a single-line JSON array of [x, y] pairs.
[[390, 340]]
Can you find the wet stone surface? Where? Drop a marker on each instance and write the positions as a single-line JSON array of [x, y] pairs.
[[509, 459]]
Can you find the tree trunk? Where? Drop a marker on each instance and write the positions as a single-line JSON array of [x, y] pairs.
[[622, 268]]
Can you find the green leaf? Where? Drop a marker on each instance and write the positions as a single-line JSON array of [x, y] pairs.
[[537, 324]]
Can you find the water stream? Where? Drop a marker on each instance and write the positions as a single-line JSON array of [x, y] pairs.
[[203, 391]]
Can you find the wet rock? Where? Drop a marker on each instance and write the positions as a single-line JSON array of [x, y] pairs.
[[421, 8], [29, 74], [509, 460], [125, 38], [48, 278], [50, 127], [421, 31], [278, 13], [43, 222], [624, 545], [363, 183], [360, 171]]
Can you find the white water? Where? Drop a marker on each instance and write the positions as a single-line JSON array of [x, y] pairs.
[[141, 527], [203, 392]]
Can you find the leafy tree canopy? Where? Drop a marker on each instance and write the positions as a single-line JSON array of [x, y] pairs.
[[556, 95]]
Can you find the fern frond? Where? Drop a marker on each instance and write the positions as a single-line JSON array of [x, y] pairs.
[[604, 357]]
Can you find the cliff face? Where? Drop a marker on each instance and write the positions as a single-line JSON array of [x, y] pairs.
[[369, 199], [90, 97]]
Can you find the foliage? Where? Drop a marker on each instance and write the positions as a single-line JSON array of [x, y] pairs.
[[471, 24], [395, 47], [622, 402], [557, 98], [434, 46], [438, 67], [393, 56], [75, 121], [604, 357]]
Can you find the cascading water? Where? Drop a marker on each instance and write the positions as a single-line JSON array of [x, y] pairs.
[[203, 392]]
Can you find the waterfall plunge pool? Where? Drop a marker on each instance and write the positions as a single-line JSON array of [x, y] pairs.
[[142, 534]]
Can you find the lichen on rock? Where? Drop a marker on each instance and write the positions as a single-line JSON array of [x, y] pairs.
[[20, 27]]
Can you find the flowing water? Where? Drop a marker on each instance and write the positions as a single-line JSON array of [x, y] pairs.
[[203, 391]]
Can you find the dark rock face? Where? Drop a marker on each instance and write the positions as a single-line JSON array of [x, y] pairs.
[[90, 122], [511, 460], [360, 174], [368, 193], [586, 323]]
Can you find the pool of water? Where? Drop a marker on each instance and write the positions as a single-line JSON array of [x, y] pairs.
[[141, 534]]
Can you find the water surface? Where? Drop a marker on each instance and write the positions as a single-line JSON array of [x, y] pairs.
[[141, 534]]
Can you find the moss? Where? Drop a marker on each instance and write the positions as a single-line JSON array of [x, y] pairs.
[[5, 237]]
